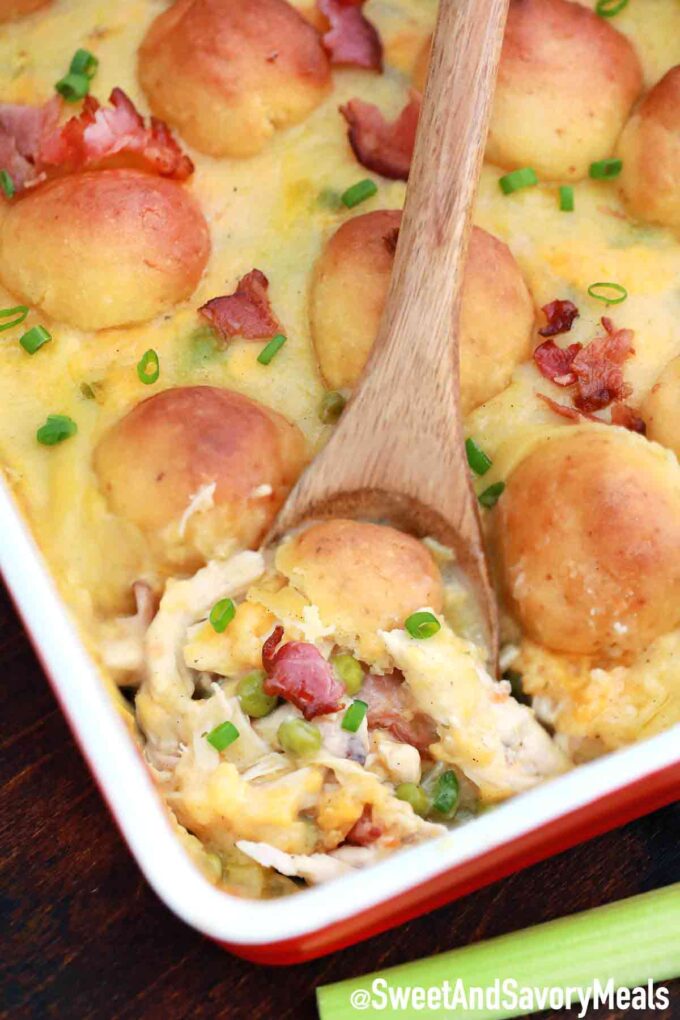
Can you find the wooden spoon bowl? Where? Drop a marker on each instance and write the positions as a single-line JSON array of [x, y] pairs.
[[398, 452]]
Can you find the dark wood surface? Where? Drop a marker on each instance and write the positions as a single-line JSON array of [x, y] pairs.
[[84, 937]]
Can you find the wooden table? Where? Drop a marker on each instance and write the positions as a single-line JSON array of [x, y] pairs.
[[87, 938]]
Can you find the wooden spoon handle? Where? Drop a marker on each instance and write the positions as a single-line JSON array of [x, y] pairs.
[[399, 444]]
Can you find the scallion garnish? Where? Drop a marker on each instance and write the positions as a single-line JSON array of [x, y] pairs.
[[566, 198], [222, 736], [422, 625], [34, 338], [359, 192], [73, 87], [517, 179], [84, 62], [221, 615], [476, 458], [354, 716], [605, 169], [331, 407], [446, 794], [56, 429], [608, 292], [608, 8], [272, 348], [490, 496], [7, 184], [148, 367], [17, 315]]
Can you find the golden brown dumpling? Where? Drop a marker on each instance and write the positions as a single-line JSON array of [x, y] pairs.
[[228, 73], [349, 291], [661, 409], [650, 150], [588, 533], [200, 470], [11, 9], [104, 248], [362, 577], [566, 83]]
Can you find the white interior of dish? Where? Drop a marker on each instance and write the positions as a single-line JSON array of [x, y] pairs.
[[141, 816]]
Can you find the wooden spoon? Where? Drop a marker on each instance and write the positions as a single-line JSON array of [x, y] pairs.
[[398, 453]]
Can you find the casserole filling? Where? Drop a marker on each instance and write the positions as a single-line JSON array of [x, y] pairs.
[[199, 210]]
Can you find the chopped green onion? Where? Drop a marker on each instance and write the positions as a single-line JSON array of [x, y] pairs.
[[221, 615], [56, 429], [422, 625], [446, 794], [34, 338], [84, 62], [298, 737], [605, 169], [73, 87], [608, 8], [348, 671], [415, 796], [272, 348], [222, 736], [7, 184], [476, 458], [19, 313], [490, 496], [359, 192], [566, 198], [354, 716], [251, 694], [331, 407], [517, 179], [148, 367], [610, 293]]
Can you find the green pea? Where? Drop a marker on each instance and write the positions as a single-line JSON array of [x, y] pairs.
[[415, 796], [348, 671], [251, 693], [298, 737], [331, 407]]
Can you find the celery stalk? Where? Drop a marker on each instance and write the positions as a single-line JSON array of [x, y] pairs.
[[632, 942]]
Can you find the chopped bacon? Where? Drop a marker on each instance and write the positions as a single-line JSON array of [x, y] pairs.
[[391, 707], [352, 40], [560, 316], [22, 129], [625, 416], [381, 146], [598, 371], [99, 132], [270, 646], [364, 832], [246, 312], [555, 363], [299, 673], [566, 411]]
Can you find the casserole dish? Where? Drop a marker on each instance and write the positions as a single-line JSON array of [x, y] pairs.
[[573, 808], [303, 713]]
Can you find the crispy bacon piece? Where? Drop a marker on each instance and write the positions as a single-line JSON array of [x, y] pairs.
[[381, 146], [624, 415], [566, 411], [22, 129], [352, 40], [555, 363], [391, 707], [560, 316], [299, 673], [599, 376], [246, 312], [364, 832], [99, 133], [269, 648]]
